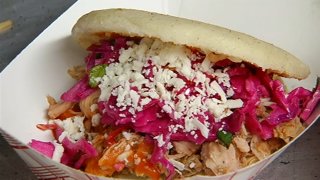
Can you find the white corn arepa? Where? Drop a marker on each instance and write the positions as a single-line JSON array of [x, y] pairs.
[[91, 27]]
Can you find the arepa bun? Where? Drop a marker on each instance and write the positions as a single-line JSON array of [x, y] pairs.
[[211, 39]]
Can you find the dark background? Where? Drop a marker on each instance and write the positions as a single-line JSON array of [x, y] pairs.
[[30, 17]]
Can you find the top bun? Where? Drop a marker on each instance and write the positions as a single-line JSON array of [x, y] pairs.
[[212, 39]]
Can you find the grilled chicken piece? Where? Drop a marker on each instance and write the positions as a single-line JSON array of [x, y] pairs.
[[218, 158], [185, 147], [241, 144]]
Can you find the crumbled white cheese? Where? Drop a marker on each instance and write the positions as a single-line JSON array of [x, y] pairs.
[[234, 103], [177, 83], [127, 81], [123, 156], [135, 98], [95, 121], [127, 135], [164, 75], [187, 92], [73, 128], [192, 165], [125, 55], [266, 102], [219, 90], [145, 101], [62, 136], [151, 93], [200, 77], [160, 140], [206, 66], [214, 108], [177, 115], [178, 165], [167, 109], [58, 152], [200, 91], [230, 92], [164, 94], [93, 107], [203, 129], [170, 146], [131, 110], [127, 148], [137, 160]]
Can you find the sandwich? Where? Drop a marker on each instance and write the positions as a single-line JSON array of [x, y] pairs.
[[163, 97]]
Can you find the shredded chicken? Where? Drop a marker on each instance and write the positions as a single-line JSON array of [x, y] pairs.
[[260, 148], [51, 100], [185, 147], [208, 171], [262, 112], [87, 125], [118, 152], [247, 159], [56, 110], [77, 72], [218, 158], [175, 156], [288, 130], [241, 144], [243, 132], [85, 104], [275, 144], [192, 164], [99, 142], [112, 154]]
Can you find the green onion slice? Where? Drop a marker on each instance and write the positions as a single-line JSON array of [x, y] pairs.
[[96, 72]]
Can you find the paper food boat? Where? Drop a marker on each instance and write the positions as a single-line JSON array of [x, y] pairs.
[[40, 69]]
